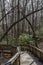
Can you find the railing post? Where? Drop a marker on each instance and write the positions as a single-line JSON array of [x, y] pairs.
[[19, 59], [15, 63]]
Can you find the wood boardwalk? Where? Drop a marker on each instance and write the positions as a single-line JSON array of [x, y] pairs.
[[29, 59], [26, 58]]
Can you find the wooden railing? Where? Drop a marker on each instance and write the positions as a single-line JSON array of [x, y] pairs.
[[36, 51], [15, 60], [7, 51]]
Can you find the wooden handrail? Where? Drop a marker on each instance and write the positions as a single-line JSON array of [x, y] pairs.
[[36, 51], [36, 48], [14, 59]]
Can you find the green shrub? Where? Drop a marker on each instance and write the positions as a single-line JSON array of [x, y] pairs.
[[25, 38], [11, 40], [40, 33], [4, 42]]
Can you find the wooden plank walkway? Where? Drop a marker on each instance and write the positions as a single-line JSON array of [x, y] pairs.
[[29, 59], [26, 58]]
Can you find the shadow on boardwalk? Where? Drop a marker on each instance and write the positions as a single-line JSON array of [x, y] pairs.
[[28, 59]]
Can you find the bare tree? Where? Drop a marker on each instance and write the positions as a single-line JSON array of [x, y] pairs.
[[18, 17], [12, 16], [24, 11], [32, 14], [3, 13], [4, 22], [36, 7], [15, 18]]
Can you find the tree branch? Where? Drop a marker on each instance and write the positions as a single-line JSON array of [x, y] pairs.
[[19, 21]]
